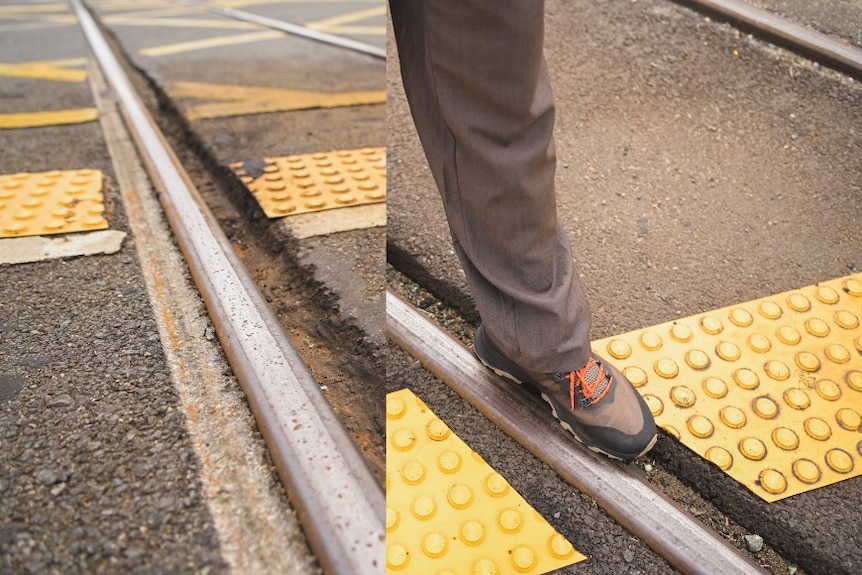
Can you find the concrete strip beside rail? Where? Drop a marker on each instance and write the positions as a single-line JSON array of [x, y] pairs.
[[686, 543]]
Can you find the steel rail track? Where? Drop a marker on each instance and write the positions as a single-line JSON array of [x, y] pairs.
[[812, 44], [294, 29], [672, 532], [337, 499]]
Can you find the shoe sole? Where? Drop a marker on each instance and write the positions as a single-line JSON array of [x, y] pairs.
[[564, 424]]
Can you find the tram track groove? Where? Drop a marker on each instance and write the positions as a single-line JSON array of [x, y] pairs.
[[645, 512], [336, 497]]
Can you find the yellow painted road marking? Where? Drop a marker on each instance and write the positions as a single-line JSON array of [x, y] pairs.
[[57, 70], [314, 182], [448, 511], [212, 43], [178, 22], [15, 10], [55, 202], [770, 391], [242, 100], [53, 118], [336, 24]]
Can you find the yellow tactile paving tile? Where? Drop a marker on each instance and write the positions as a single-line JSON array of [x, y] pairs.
[[448, 512], [55, 202], [769, 390], [320, 181]]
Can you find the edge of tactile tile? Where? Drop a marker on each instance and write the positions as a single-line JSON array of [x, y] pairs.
[[54, 202], [302, 183], [769, 390], [38, 248], [449, 512]]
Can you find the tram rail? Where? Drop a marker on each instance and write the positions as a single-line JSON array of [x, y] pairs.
[[337, 499]]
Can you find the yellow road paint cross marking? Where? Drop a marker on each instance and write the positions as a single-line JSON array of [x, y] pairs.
[[448, 511], [337, 24], [314, 182], [177, 22], [42, 119], [57, 70], [243, 100], [770, 391], [55, 202], [212, 43]]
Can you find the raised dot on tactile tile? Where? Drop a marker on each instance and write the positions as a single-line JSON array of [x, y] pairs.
[[666, 367], [807, 361], [699, 426], [284, 208], [635, 375], [559, 546], [681, 333], [727, 351], [434, 544], [711, 325], [523, 559], [413, 472], [510, 520], [459, 496], [346, 201], [777, 370], [854, 380], [759, 343], [397, 556], [797, 398], [788, 335], [472, 532], [853, 287], [403, 439], [672, 431], [798, 302], [785, 438], [423, 507], [654, 404], [437, 430], [839, 460], [772, 481], [837, 353], [55, 225], [745, 378], [395, 408], [392, 518], [848, 419], [732, 417], [619, 349], [827, 295], [846, 319], [769, 310], [485, 566], [765, 407], [752, 448], [496, 485], [740, 317], [720, 456], [714, 387], [697, 359], [449, 462], [93, 222], [682, 396], [806, 471], [817, 429], [828, 389], [817, 327], [650, 341]]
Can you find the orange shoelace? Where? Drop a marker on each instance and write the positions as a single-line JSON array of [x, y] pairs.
[[579, 379]]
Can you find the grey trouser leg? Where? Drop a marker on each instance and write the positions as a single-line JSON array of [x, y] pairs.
[[478, 88]]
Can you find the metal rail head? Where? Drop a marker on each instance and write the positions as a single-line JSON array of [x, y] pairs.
[[338, 501], [636, 505]]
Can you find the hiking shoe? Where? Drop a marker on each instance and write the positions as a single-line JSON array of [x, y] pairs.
[[596, 403]]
